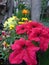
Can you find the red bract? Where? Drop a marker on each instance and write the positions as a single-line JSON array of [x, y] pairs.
[[20, 29], [23, 50]]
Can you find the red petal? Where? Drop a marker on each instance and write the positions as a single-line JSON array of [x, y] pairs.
[[30, 59], [27, 59], [44, 44], [33, 48], [20, 29], [16, 57], [18, 44]]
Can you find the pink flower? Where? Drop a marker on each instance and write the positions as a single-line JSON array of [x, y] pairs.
[[35, 34], [44, 39], [26, 28], [43, 43], [40, 35], [45, 32], [32, 25], [23, 50], [20, 29]]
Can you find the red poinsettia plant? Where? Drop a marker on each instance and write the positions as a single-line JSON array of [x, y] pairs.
[[34, 36]]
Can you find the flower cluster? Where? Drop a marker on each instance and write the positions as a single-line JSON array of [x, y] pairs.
[[35, 32], [23, 15], [21, 38], [24, 49], [25, 11], [23, 20], [11, 22]]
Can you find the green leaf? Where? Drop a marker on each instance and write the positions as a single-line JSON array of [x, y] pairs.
[[43, 58]]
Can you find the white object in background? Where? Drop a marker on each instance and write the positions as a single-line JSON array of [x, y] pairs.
[[14, 3], [4, 48], [23, 2], [48, 3], [17, 10]]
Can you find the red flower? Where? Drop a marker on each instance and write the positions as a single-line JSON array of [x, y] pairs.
[[40, 35], [35, 34], [44, 43], [23, 50], [20, 29], [33, 25], [44, 39], [45, 32], [26, 28]]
